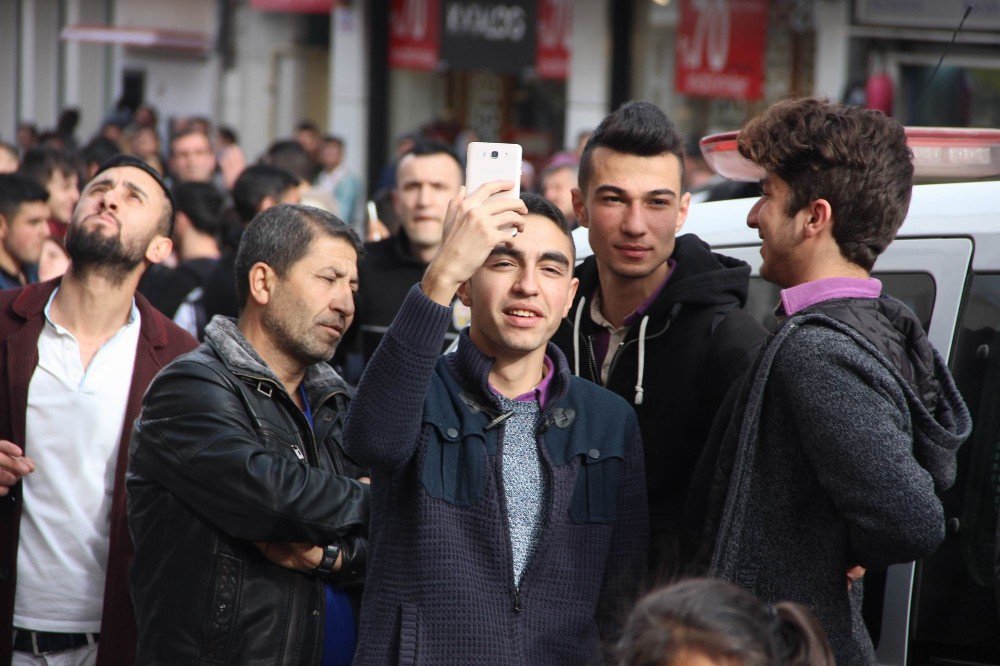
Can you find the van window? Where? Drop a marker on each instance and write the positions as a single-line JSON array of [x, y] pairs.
[[956, 609], [917, 290]]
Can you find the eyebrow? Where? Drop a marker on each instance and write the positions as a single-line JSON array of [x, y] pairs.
[[663, 191], [550, 255], [106, 182]]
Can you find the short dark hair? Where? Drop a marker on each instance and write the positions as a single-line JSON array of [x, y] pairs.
[[635, 128], [202, 203], [165, 224], [257, 182], [722, 622], [41, 163], [17, 189], [188, 129], [424, 146], [857, 159], [100, 150], [292, 157], [281, 235], [306, 126], [333, 138], [539, 205]]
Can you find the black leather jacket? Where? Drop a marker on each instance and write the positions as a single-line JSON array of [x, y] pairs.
[[221, 457]]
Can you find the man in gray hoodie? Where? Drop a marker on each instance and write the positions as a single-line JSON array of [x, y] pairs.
[[848, 425]]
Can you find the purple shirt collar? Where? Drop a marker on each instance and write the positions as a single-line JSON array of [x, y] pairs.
[[802, 296], [543, 391], [641, 310]]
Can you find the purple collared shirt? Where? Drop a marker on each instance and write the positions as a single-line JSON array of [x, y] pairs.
[[602, 338], [803, 295], [543, 391]]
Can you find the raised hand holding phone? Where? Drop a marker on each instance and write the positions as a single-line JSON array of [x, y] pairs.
[[473, 226]]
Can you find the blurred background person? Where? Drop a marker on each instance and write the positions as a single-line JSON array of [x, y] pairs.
[[9, 160], [24, 226], [56, 171], [341, 183], [707, 622], [557, 183]]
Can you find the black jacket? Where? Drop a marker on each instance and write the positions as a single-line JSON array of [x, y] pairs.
[[221, 457], [697, 341]]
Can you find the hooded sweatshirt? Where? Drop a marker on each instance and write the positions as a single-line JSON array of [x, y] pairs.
[[674, 367], [843, 434]]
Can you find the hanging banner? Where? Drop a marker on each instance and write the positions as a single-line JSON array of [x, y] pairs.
[[495, 36], [414, 40], [555, 23], [294, 6], [720, 48]]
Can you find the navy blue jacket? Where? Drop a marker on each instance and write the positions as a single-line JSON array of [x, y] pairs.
[[441, 586]]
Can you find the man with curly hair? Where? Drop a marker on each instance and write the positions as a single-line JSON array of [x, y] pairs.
[[847, 427]]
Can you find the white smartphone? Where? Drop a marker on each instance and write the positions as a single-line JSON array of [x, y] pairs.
[[486, 162]]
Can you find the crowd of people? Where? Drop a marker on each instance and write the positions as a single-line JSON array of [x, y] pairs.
[[249, 422]]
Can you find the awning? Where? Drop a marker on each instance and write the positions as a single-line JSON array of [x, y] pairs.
[[196, 43]]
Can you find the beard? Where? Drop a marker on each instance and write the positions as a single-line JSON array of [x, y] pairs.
[[95, 253], [292, 332]]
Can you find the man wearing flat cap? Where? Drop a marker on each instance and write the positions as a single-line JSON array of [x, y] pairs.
[[76, 355]]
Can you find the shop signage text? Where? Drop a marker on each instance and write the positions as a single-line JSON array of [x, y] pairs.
[[720, 48]]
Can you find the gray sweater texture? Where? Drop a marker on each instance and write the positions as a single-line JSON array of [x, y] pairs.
[[837, 464]]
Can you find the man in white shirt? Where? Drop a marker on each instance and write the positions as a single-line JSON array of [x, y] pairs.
[[76, 357]]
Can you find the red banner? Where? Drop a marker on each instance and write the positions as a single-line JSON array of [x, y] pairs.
[[555, 30], [720, 48], [414, 39], [295, 6]]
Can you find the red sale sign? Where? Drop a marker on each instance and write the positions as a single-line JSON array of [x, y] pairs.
[[720, 48], [296, 6], [555, 21], [414, 40]]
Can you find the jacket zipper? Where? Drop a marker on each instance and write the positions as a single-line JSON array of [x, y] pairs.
[[623, 345], [596, 378]]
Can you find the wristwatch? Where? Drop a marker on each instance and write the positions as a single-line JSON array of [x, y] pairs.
[[330, 555]]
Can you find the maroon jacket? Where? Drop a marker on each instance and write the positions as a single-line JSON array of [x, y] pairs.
[[160, 340]]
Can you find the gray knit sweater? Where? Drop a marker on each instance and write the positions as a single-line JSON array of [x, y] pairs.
[[524, 479], [836, 465]]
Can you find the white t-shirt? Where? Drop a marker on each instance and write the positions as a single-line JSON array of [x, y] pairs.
[[72, 430]]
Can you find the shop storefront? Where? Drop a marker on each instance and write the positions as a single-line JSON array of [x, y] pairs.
[[901, 44], [712, 64], [490, 71]]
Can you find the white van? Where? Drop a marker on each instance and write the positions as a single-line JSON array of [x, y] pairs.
[[945, 264]]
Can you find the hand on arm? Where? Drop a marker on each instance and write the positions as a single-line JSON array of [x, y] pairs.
[[14, 465], [473, 226], [295, 556]]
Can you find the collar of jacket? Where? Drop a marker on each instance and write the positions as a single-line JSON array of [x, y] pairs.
[[240, 356], [30, 303], [472, 368]]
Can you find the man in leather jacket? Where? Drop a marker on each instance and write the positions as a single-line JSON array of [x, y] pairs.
[[237, 469], [847, 427]]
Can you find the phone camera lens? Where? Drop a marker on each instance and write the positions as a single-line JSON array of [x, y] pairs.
[[495, 154]]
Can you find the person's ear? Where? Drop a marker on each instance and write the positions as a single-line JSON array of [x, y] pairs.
[[262, 280], [682, 211], [579, 207], [818, 218], [4, 227], [265, 203], [159, 249], [574, 284], [463, 294]]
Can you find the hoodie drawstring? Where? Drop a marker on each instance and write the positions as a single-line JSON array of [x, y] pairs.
[[576, 336], [642, 360]]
